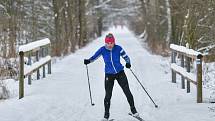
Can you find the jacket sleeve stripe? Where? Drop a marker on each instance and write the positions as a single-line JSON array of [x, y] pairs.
[[124, 55], [122, 51], [127, 59]]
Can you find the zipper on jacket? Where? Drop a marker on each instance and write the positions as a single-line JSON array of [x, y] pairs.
[[112, 61]]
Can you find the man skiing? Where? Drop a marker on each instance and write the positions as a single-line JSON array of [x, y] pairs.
[[114, 70]]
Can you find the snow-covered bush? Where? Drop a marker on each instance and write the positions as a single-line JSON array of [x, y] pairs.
[[4, 93], [208, 79]]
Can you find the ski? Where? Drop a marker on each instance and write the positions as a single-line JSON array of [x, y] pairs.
[[108, 120], [136, 117]]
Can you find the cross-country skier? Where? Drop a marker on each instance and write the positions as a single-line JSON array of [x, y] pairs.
[[114, 70]]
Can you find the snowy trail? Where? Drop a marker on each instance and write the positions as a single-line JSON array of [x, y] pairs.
[[64, 96]]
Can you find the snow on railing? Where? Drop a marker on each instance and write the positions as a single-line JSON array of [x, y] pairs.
[[186, 57], [183, 71], [188, 52], [40, 50], [28, 69], [34, 45]]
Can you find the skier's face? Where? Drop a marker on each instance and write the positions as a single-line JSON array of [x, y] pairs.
[[110, 45]]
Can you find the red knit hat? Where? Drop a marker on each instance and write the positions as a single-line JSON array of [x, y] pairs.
[[109, 38]]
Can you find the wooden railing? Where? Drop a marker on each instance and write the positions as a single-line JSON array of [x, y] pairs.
[[40, 52], [186, 57]]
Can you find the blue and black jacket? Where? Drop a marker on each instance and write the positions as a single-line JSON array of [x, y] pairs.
[[111, 58]]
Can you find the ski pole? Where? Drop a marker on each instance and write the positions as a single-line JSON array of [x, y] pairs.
[[156, 106], [89, 87]]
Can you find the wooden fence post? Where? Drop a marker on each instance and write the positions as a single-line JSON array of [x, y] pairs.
[[29, 63], [21, 75], [49, 67], [199, 78], [188, 70], [37, 59], [182, 77], [49, 63], [44, 69], [173, 56]]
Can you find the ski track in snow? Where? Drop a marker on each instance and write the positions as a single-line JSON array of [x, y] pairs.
[[64, 95]]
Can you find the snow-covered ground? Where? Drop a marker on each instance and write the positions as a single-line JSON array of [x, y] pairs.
[[64, 95]]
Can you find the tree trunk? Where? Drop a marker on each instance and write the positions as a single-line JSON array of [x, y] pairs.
[[57, 48], [12, 30], [169, 21]]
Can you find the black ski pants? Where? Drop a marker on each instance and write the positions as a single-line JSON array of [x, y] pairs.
[[123, 82]]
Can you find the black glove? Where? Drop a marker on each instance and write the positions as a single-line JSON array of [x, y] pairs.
[[128, 65], [86, 61]]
